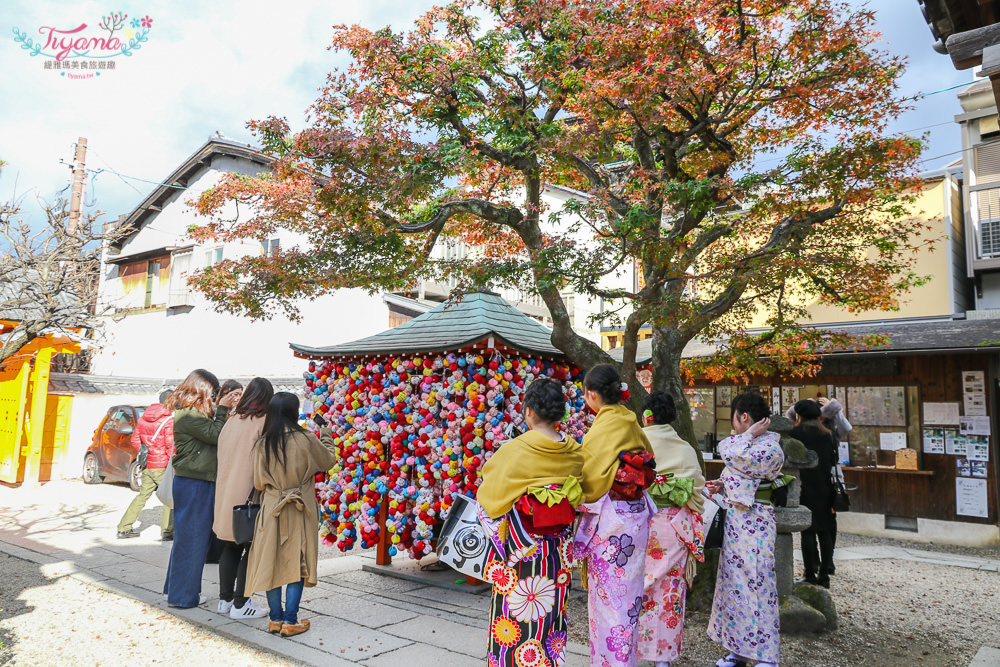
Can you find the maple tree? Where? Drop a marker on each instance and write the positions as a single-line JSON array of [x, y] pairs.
[[735, 150]]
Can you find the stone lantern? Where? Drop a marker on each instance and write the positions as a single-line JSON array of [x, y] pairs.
[[804, 607]]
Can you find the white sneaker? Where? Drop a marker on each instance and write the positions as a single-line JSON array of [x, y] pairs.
[[224, 606], [202, 599], [249, 612]]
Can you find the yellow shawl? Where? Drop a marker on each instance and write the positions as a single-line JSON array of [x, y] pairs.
[[614, 431], [530, 460]]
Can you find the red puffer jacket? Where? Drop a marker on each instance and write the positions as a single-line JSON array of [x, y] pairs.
[[162, 448]]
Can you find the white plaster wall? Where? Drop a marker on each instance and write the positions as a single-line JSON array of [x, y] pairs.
[[171, 343]]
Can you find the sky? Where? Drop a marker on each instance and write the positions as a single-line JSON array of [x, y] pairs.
[[212, 66]]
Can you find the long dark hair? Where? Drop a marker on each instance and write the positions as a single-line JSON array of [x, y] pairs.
[[281, 420], [255, 399]]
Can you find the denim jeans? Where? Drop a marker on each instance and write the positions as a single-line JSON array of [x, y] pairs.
[[194, 509], [293, 594]]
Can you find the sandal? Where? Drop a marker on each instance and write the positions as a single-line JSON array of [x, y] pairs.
[[731, 661]]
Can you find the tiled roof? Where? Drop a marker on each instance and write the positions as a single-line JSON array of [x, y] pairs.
[[906, 337], [450, 326], [79, 383]]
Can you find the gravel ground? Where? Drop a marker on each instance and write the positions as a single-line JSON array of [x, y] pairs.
[[891, 613], [848, 540], [63, 621]]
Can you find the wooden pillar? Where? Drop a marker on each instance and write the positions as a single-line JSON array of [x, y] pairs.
[[382, 556], [39, 384]]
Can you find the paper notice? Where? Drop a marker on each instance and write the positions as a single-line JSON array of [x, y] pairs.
[[954, 443], [844, 453], [974, 403], [933, 441], [892, 440], [941, 413], [974, 426], [970, 497], [977, 448]]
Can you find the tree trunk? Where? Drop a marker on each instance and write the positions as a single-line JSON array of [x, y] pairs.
[[668, 346]]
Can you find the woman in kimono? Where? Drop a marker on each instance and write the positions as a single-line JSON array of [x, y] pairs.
[[285, 544], [614, 522], [676, 541], [532, 480], [745, 609]]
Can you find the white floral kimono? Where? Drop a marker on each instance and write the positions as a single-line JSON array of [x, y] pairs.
[[745, 610]]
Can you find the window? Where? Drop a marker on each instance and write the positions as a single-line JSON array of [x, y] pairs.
[[270, 248], [213, 256], [179, 292], [152, 281]]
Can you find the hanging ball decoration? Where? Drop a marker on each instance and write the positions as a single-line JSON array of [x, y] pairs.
[[414, 431]]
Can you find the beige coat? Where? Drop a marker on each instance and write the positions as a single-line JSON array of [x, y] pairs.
[[286, 537], [234, 479]]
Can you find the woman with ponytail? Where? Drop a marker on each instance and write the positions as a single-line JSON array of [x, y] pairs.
[[614, 524]]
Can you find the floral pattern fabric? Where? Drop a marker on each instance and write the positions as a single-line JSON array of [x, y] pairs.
[[675, 535], [745, 609], [528, 611], [612, 537]]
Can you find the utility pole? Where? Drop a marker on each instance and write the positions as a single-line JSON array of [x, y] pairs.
[[78, 173]]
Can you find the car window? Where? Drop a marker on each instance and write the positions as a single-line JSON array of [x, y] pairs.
[[117, 417], [139, 410]]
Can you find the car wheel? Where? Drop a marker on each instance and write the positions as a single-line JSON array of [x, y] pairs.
[[135, 475], [91, 469]]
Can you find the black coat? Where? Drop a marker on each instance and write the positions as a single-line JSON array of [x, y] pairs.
[[817, 488]]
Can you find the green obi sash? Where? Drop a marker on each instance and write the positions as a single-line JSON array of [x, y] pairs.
[[570, 490], [670, 491]]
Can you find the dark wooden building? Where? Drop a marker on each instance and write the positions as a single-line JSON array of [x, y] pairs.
[[932, 390]]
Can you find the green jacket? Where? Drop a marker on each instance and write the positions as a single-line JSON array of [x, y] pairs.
[[196, 439]]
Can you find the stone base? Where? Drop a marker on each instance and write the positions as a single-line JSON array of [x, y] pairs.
[[809, 611]]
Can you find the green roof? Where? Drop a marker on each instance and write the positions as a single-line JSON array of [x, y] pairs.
[[453, 325]]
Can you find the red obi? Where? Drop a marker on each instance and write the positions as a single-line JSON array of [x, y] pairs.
[[635, 474], [540, 519]]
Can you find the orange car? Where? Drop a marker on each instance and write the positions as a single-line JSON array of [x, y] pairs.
[[111, 454]]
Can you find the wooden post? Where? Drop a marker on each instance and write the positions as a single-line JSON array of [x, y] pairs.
[[36, 417], [76, 202], [382, 556]]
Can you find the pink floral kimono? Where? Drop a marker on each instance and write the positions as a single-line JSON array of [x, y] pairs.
[[675, 535], [612, 537]]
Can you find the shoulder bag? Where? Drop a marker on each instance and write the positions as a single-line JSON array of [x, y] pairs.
[[714, 517], [244, 519], [165, 489]]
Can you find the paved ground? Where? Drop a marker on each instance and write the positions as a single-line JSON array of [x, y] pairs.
[[64, 535], [358, 617]]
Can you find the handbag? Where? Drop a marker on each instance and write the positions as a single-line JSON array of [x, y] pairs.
[[165, 489], [244, 519], [714, 517], [464, 544], [841, 502]]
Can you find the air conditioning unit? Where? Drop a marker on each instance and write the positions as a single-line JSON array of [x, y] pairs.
[[989, 239]]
